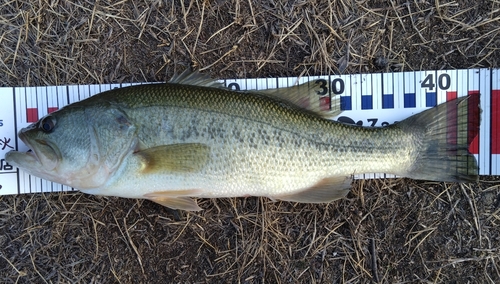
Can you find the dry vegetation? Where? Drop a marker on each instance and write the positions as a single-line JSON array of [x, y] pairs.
[[387, 231]]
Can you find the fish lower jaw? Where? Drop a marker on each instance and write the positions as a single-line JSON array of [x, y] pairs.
[[24, 160]]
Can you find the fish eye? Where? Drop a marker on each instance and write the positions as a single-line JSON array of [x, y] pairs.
[[47, 124]]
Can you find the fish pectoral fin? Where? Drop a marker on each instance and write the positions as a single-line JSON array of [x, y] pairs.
[[189, 157], [195, 78], [326, 190], [176, 199], [312, 96]]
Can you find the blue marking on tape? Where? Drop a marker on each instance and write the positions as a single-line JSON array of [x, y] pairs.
[[430, 99], [366, 102], [410, 100], [388, 101], [345, 103]]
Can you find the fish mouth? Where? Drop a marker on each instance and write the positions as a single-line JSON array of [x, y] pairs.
[[30, 151], [41, 154], [25, 160]]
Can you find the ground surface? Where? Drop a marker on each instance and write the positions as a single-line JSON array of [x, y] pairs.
[[388, 231]]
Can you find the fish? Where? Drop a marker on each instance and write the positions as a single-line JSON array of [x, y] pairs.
[[191, 138]]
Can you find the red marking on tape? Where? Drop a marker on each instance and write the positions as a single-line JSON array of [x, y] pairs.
[[451, 119], [324, 103], [473, 119], [495, 122], [451, 96], [31, 114], [52, 109]]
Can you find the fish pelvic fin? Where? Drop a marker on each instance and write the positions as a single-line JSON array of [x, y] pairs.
[[314, 96], [188, 157], [326, 190], [176, 199], [444, 134]]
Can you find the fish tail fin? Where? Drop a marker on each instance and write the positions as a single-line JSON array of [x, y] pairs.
[[444, 134]]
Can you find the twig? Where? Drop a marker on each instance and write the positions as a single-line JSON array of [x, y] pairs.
[[133, 245], [373, 252]]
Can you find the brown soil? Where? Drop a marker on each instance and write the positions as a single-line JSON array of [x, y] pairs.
[[388, 231]]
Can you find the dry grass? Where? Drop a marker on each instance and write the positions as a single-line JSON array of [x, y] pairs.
[[387, 231]]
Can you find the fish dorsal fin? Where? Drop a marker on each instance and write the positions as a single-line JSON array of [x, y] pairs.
[[195, 78], [189, 157], [176, 199], [312, 96], [326, 190]]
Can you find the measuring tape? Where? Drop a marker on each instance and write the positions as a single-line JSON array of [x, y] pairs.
[[367, 99]]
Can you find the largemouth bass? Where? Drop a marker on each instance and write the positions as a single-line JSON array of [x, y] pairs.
[[191, 138]]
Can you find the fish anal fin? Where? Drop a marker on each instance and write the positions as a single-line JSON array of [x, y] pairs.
[[175, 199], [326, 190], [189, 157]]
